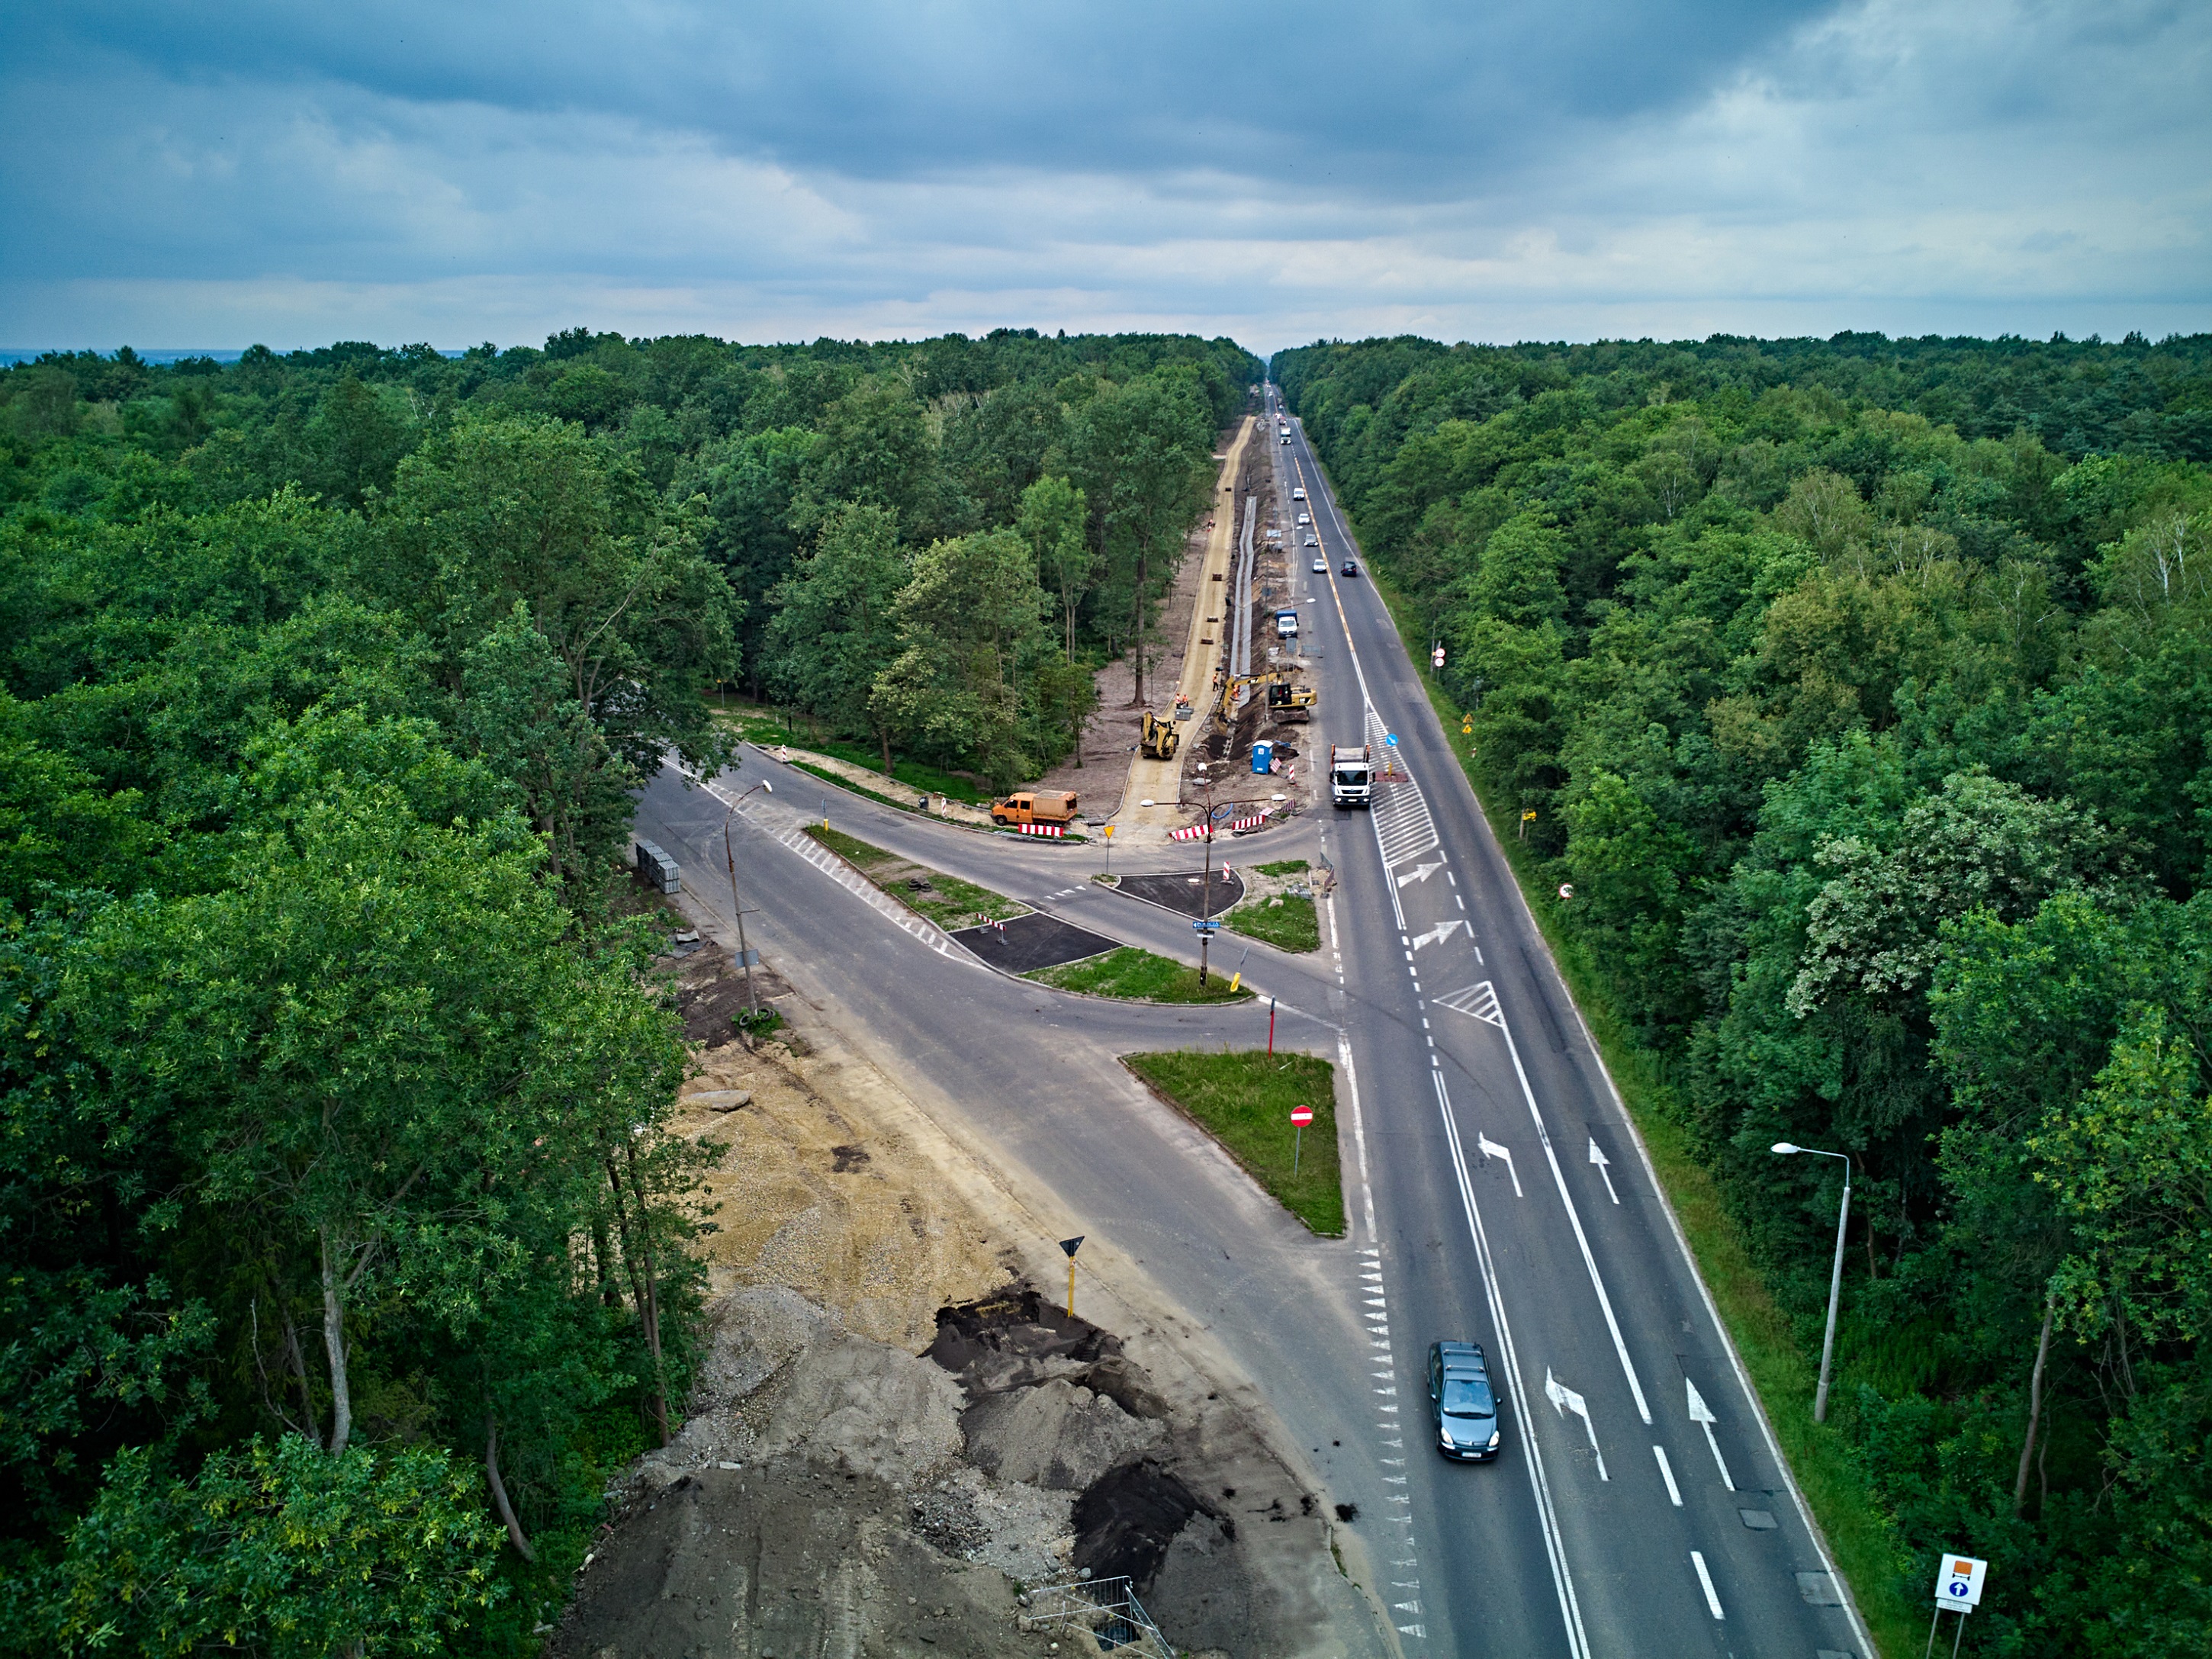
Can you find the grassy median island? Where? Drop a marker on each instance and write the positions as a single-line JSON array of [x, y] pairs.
[[1289, 921], [1245, 1101], [946, 900], [1138, 976]]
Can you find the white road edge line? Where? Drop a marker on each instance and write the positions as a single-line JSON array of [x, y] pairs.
[[1705, 1578], [1666, 1473]]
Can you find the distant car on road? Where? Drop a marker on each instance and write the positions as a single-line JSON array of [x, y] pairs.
[[1351, 568], [1320, 567], [1298, 494], [1462, 1402]]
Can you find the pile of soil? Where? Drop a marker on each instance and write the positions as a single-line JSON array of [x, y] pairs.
[[833, 1494]]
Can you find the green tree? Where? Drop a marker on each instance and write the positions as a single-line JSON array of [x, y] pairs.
[[1053, 520], [1141, 455], [837, 625], [970, 625], [501, 509], [276, 1550]]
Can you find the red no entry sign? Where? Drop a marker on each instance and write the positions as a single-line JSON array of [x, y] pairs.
[[1301, 1116]]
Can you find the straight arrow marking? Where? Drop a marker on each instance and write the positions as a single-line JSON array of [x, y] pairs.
[[1441, 932], [1419, 872], [1564, 1400], [1702, 1415], [1602, 1160]]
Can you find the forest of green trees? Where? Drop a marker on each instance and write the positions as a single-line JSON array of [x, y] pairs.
[[1860, 689], [342, 1241]]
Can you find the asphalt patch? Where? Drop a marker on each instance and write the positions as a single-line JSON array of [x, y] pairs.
[[1184, 892], [1024, 943]]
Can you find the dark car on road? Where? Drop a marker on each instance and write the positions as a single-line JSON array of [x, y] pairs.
[[1462, 1402], [1350, 568]]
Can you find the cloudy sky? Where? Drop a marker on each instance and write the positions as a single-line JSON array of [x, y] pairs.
[[189, 174]]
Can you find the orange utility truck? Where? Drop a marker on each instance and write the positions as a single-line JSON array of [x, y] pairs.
[[1053, 806]]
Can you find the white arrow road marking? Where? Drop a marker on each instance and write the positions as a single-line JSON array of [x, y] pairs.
[[1442, 931], [1702, 1415], [1706, 1579], [1419, 872], [1567, 1203], [1602, 1160], [1666, 1473], [1491, 1148], [1564, 1400]]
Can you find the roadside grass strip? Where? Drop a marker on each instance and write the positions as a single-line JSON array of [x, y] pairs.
[[1135, 975], [1245, 1099], [948, 902]]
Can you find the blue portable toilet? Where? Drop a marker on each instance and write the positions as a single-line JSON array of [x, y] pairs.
[[1263, 757]]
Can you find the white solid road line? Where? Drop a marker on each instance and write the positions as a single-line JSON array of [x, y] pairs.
[[1666, 1473], [1705, 1578], [1497, 1016], [1554, 1545]]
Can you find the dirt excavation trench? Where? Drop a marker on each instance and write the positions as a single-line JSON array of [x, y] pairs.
[[894, 1436]]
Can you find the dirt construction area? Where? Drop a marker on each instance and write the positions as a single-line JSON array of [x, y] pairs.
[[895, 1439]]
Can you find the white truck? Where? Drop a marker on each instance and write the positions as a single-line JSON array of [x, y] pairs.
[[1287, 624], [1351, 775]]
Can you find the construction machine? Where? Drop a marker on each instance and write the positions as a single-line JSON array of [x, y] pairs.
[[1160, 740], [1291, 703], [1286, 701]]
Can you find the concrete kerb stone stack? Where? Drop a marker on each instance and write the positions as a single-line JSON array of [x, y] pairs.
[[657, 869]]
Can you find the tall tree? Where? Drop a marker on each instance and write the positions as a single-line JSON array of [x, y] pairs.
[[1141, 453], [836, 626]]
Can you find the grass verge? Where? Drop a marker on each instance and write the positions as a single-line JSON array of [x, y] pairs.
[[946, 900], [1282, 868], [764, 727], [1287, 922], [1243, 1100], [1137, 977], [1827, 1467]]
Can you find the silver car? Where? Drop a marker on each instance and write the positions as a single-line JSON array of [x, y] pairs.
[[1462, 1402]]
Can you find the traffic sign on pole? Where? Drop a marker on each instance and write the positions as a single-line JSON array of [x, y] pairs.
[[1071, 1245], [1302, 1116], [1958, 1582]]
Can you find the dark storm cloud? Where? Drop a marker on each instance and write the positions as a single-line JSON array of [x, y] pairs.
[[203, 173], [1403, 95]]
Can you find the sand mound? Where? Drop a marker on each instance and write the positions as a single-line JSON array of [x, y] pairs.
[[1057, 1435]]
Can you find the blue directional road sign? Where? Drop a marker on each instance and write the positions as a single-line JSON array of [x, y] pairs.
[[1205, 926], [1391, 738]]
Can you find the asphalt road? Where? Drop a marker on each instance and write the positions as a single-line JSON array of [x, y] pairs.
[[1612, 1522]]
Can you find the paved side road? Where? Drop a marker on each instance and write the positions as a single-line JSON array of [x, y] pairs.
[[1030, 1078]]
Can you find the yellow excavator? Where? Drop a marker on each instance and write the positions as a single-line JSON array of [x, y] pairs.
[[1286, 701], [1160, 740]]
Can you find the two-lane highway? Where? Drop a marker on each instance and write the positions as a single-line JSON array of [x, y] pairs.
[[1640, 1505]]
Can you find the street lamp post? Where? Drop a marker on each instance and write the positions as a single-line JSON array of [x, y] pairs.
[[729, 855], [1206, 892], [1835, 1278]]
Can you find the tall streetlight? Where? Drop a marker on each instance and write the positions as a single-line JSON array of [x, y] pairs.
[[744, 956], [1206, 892], [1836, 1279]]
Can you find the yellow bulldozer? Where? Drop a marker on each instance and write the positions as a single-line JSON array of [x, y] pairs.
[[1160, 740]]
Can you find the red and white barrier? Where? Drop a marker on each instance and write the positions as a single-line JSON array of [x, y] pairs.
[[1054, 830]]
